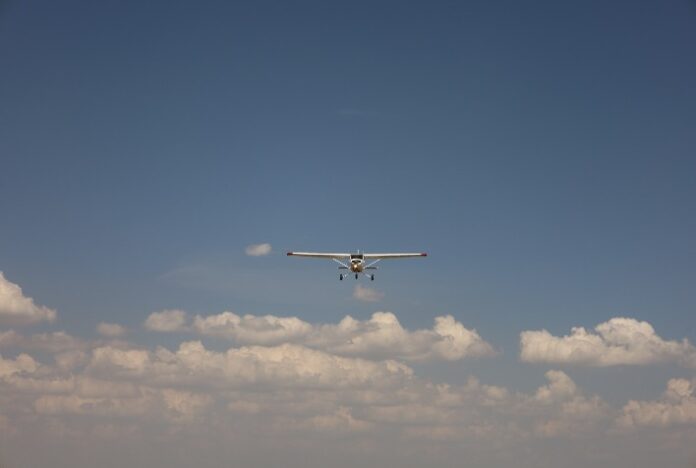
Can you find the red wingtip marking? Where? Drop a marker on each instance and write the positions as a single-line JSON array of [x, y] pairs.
[[289, 253], [424, 255]]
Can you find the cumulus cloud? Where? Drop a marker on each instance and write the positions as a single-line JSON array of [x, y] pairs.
[[171, 320], [290, 380], [291, 393], [286, 365], [619, 341], [21, 364], [258, 250], [574, 413], [476, 410], [363, 293], [16, 308], [290, 388], [381, 336], [252, 329], [560, 387], [69, 360], [110, 330], [676, 407]]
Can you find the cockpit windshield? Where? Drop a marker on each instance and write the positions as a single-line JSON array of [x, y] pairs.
[[356, 256]]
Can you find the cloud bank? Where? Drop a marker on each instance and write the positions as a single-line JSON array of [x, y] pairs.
[[381, 336], [293, 389], [619, 341], [249, 378], [302, 384]]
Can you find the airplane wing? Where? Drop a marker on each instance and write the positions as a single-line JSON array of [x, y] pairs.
[[319, 254], [394, 255]]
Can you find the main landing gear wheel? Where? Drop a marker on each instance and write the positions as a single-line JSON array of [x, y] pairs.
[[372, 277], [340, 277]]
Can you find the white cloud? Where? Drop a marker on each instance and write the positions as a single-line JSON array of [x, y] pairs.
[[560, 387], [21, 364], [619, 341], [381, 336], [258, 250], [166, 321], [287, 392], [475, 410], [571, 412], [363, 293], [252, 329], [302, 384], [133, 362], [15, 308], [286, 365], [110, 330], [184, 406], [676, 407], [291, 388], [69, 360]]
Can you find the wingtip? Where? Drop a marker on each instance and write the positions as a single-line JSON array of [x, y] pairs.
[[289, 253], [424, 254]]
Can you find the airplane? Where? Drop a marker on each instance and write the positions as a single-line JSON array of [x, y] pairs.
[[357, 261]]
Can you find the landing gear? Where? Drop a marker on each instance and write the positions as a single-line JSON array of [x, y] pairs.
[[372, 277], [356, 276], [340, 277]]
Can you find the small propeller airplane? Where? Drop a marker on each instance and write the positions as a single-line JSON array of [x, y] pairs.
[[358, 263]]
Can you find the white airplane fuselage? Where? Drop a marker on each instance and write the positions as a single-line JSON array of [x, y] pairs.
[[357, 264]]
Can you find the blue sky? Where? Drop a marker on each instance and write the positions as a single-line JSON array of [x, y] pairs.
[[543, 155]]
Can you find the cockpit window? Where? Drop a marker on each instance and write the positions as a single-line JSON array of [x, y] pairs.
[[356, 256]]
